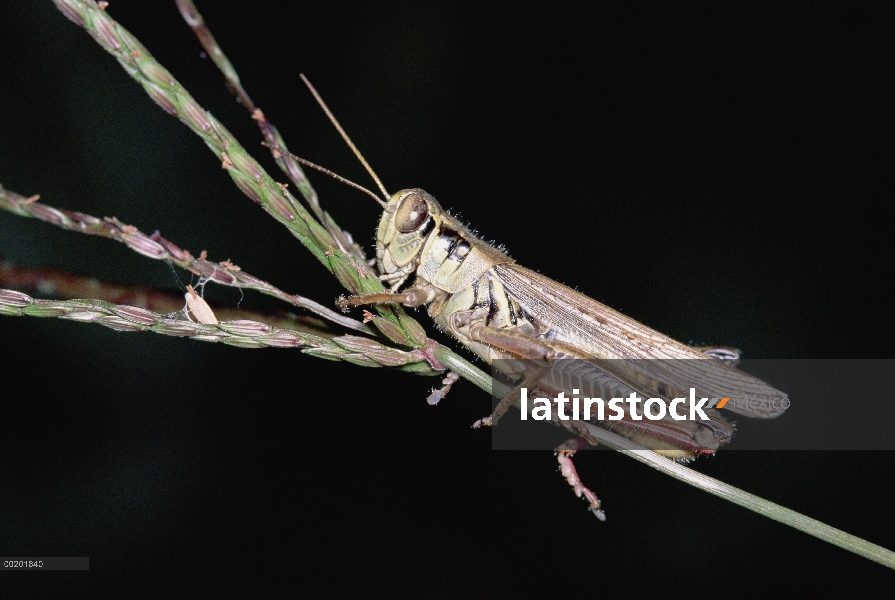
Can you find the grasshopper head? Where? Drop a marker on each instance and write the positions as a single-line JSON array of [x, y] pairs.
[[409, 218]]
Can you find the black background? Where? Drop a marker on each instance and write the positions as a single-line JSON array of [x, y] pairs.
[[720, 174]]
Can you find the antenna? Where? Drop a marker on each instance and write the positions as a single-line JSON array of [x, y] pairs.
[[308, 163], [344, 135]]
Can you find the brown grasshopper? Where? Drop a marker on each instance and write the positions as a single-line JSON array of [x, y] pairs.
[[509, 316]]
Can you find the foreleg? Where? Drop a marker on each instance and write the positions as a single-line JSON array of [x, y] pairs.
[[415, 296]]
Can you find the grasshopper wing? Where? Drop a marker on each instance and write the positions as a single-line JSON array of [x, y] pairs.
[[605, 333]]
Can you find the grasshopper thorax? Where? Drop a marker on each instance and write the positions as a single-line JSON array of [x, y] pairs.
[[408, 219]]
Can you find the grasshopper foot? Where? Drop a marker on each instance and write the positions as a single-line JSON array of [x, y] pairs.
[[486, 422], [567, 468], [436, 396]]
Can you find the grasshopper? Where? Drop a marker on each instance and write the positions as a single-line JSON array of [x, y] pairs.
[[516, 319]]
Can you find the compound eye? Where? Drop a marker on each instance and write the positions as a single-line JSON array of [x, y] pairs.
[[411, 213]]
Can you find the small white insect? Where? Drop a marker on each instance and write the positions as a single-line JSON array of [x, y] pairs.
[[199, 307]]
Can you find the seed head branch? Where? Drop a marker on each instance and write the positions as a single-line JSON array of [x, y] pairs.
[[246, 173], [65, 285], [159, 248], [242, 333], [269, 132]]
